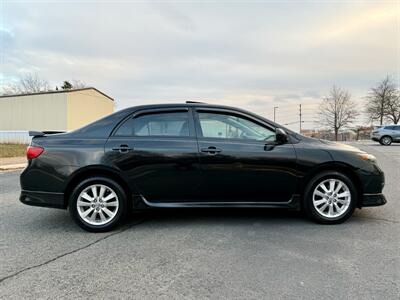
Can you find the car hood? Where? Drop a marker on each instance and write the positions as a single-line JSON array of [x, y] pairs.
[[329, 145], [340, 146]]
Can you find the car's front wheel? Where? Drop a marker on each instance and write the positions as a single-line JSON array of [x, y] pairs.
[[386, 140], [98, 204], [330, 198]]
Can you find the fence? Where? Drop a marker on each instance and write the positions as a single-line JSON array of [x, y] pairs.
[[14, 137]]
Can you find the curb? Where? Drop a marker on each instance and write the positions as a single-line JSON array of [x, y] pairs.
[[12, 167]]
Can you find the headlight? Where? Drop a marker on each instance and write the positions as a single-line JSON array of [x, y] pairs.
[[366, 156]]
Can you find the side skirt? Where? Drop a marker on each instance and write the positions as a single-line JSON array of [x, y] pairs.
[[292, 204]]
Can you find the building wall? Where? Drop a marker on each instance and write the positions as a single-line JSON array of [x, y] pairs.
[[34, 112], [85, 107], [51, 111]]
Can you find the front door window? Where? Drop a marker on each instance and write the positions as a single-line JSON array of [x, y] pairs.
[[226, 126]]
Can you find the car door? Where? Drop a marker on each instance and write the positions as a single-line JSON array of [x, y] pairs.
[[390, 130], [396, 133], [157, 152], [240, 160]]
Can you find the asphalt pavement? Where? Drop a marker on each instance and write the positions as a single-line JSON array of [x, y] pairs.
[[203, 254]]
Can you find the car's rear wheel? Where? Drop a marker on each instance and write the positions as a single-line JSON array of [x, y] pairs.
[[386, 140], [330, 198], [98, 204]]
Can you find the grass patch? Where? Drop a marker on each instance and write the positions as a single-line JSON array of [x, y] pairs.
[[12, 150]]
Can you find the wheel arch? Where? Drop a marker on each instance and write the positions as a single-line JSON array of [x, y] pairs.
[[335, 167], [96, 171]]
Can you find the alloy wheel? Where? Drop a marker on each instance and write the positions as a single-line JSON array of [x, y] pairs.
[[331, 198], [97, 204], [386, 140]]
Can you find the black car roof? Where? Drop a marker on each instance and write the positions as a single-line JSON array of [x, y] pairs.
[[191, 104], [98, 128], [200, 104]]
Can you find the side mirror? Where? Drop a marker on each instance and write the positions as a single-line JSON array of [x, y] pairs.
[[281, 136]]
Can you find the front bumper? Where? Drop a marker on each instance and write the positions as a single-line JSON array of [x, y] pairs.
[[43, 199], [373, 200], [372, 182]]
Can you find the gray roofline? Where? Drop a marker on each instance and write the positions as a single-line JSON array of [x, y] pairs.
[[56, 92]]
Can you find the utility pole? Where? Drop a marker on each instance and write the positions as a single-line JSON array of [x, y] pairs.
[[300, 117], [275, 112]]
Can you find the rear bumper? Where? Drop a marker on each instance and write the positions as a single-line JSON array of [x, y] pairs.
[[43, 199], [373, 200]]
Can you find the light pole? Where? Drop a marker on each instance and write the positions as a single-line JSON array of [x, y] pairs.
[[275, 107], [300, 119]]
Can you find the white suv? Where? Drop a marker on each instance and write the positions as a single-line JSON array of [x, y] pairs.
[[386, 134]]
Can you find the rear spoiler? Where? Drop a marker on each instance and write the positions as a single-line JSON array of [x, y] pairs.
[[43, 133]]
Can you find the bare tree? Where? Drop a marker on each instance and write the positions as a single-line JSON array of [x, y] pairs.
[[29, 83], [392, 109], [78, 84], [337, 110], [382, 101]]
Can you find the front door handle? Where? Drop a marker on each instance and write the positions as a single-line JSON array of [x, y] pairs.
[[211, 150], [122, 149]]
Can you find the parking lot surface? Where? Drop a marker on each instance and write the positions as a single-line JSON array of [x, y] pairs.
[[200, 254]]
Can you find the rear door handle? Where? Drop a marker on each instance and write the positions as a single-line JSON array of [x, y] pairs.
[[211, 150], [122, 149]]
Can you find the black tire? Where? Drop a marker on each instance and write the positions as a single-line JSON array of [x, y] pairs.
[[308, 205], [386, 140], [121, 211]]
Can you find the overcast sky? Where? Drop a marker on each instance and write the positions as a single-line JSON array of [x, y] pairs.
[[255, 55]]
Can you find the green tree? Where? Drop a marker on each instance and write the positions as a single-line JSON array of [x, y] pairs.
[[66, 85]]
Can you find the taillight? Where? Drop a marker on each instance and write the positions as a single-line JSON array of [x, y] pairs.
[[33, 152]]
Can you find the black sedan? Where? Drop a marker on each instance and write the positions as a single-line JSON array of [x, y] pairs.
[[194, 155]]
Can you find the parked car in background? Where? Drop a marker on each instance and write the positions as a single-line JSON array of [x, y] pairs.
[[386, 134], [195, 155]]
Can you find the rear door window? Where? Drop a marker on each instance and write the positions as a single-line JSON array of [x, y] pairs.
[[167, 124]]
